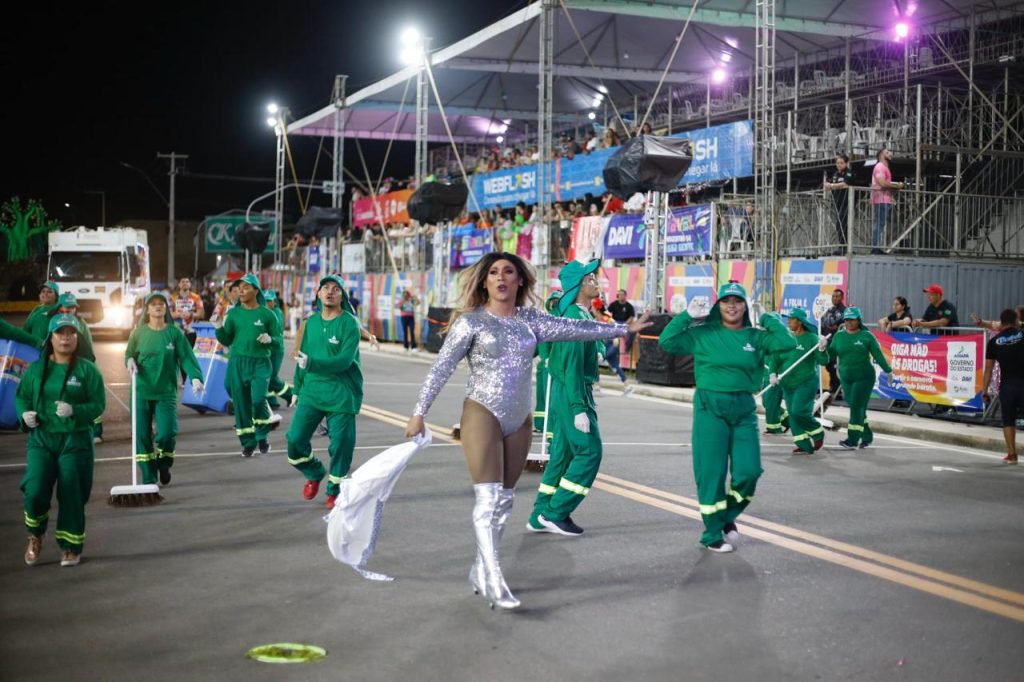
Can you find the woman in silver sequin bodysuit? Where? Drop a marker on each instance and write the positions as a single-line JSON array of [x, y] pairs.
[[498, 334]]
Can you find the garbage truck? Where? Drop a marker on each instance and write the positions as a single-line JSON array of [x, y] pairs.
[[107, 269]]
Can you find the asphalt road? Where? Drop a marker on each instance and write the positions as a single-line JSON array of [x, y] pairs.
[[899, 562]]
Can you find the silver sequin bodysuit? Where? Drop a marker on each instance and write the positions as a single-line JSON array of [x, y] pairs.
[[500, 351]]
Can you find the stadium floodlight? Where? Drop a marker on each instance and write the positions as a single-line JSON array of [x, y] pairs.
[[602, 89], [718, 76], [591, 115], [271, 121], [272, 108], [902, 30]]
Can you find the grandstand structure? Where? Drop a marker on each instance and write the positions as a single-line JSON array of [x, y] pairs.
[[937, 82]]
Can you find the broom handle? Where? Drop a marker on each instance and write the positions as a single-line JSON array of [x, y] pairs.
[[791, 367], [547, 411], [135, 435]]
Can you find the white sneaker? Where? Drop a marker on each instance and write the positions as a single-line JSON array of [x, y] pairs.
[[732, 535], [627, 390], [720, 547]]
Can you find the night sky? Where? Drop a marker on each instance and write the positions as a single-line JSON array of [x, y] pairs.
[[91, 85]]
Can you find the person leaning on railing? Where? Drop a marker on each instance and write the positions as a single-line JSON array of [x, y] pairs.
[[900, 317]]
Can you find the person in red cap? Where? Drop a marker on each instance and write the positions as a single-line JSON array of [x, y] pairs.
[[939, 313]]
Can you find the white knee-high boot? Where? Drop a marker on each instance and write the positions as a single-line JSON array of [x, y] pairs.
[[487, 579]]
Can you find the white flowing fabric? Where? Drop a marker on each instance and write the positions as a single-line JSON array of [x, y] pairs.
[[354, 523]]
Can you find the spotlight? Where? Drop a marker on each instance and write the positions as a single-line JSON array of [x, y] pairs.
[[271, 121], [902, 30], [499, 139], [272, 108], [603, 90], [591, 115], [718, 76]]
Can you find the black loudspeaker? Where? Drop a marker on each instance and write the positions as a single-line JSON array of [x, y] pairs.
[[647, 163], [655, 366], [436, 202], [437, 322], [252, 238], [321, 221]]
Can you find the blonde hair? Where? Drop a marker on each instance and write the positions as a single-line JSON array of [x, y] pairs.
[[473, 286]]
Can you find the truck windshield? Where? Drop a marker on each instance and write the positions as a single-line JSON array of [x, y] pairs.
[[76, 266]]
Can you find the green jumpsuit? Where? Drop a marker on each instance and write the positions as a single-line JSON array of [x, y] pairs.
[[249, 369], [776, 418], [543, 351], [799, 388], [330, 386], [857, 378], [160, 356], [729, 365], [60, 449], [85, 350], [575, 456], [277, 387]]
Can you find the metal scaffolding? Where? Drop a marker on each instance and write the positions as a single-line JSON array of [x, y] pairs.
[[545, 86], [765, 233]]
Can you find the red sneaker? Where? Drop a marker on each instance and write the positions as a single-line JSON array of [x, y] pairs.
[[310, 490], [1010, 459], [817, 445], [330, 501]]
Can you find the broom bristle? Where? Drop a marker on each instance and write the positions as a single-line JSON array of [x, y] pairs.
[[135, 500]]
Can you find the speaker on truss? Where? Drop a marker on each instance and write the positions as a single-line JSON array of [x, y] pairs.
[[655, 366], [436, 202], [252, 238], [321, 221], [647, 163]]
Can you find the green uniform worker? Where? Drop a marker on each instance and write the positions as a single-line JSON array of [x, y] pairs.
[[249, 331], [853, 347], [68, 304], [328, 383], [158, 351], [576, 447], [729, 356], [776, 417], [11, 333], [800, 386], [58, 398], [277, 388], [38, 322], [543, 351]]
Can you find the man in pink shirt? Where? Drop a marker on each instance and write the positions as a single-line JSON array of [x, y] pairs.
[[882, 188]]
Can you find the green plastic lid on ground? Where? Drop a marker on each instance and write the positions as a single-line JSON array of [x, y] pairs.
[[286, 652]]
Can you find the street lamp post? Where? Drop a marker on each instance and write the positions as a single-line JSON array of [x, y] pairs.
[[173, 173]]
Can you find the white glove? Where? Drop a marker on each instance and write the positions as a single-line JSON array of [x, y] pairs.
[[264, 338], [582, 422], [133, 367], [822, 344], [294, 401], [773, 379], [63, 408], [31, 419], [301, 360], [197, 386], [695, 307]]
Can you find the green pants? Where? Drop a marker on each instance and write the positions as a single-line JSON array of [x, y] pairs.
[[857, 393], [542, 396], [277, 388], [776, 418], [248, 379], [572, 469], [341, 430], [159, 456], [725, 441], [807, 432], [67, 460]]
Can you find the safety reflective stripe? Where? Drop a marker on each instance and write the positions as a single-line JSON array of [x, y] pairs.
[[276, 394], [301, 460], [773, 426], [539, 414], [70, 537], [573, 487], [335, 479], [98, 420], [145, 456], [260, 422], [802, 436], [546, 489], [854, 427], [165, 454], [35, 521], [242, 432], [785, 414], [739, 497], [816, 432], [709, 509]]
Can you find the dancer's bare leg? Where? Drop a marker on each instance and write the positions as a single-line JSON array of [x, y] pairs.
[[517, 448], [482, 443]]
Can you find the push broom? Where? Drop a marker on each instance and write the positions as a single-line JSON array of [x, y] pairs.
[[134, 495]]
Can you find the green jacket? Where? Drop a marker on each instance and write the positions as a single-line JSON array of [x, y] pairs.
[[726, 360], [160, 355], [279, 341], [573, 365], [38, 322], [333, 378], [12, 333], [806, 370], [854, 352], [83, 391], [241, 327]]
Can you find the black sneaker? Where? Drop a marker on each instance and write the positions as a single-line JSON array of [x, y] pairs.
[[719, 547], [247, 452], [264, 447], [560, 527], [847, 444], [730, 532], [165, 476], [572, 524], [863, 445]]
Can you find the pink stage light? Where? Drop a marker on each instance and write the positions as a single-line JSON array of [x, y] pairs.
[[902, 30], [718, 76]]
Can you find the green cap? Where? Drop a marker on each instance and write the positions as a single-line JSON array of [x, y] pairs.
[[801, 314], [551, 305], [50, 285], [144, 317], [345, 304], [253, 281], [61, 321], [67, 300], [730, 289], [270, 295], [571, 276], [852, 313]]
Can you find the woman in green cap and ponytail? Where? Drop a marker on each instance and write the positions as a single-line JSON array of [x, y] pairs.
[[853, 347], [38, 322], [728, 356], [799, 386], [158, 351], [59, 397]]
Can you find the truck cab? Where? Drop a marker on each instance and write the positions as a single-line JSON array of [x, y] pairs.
[[107, 269]]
